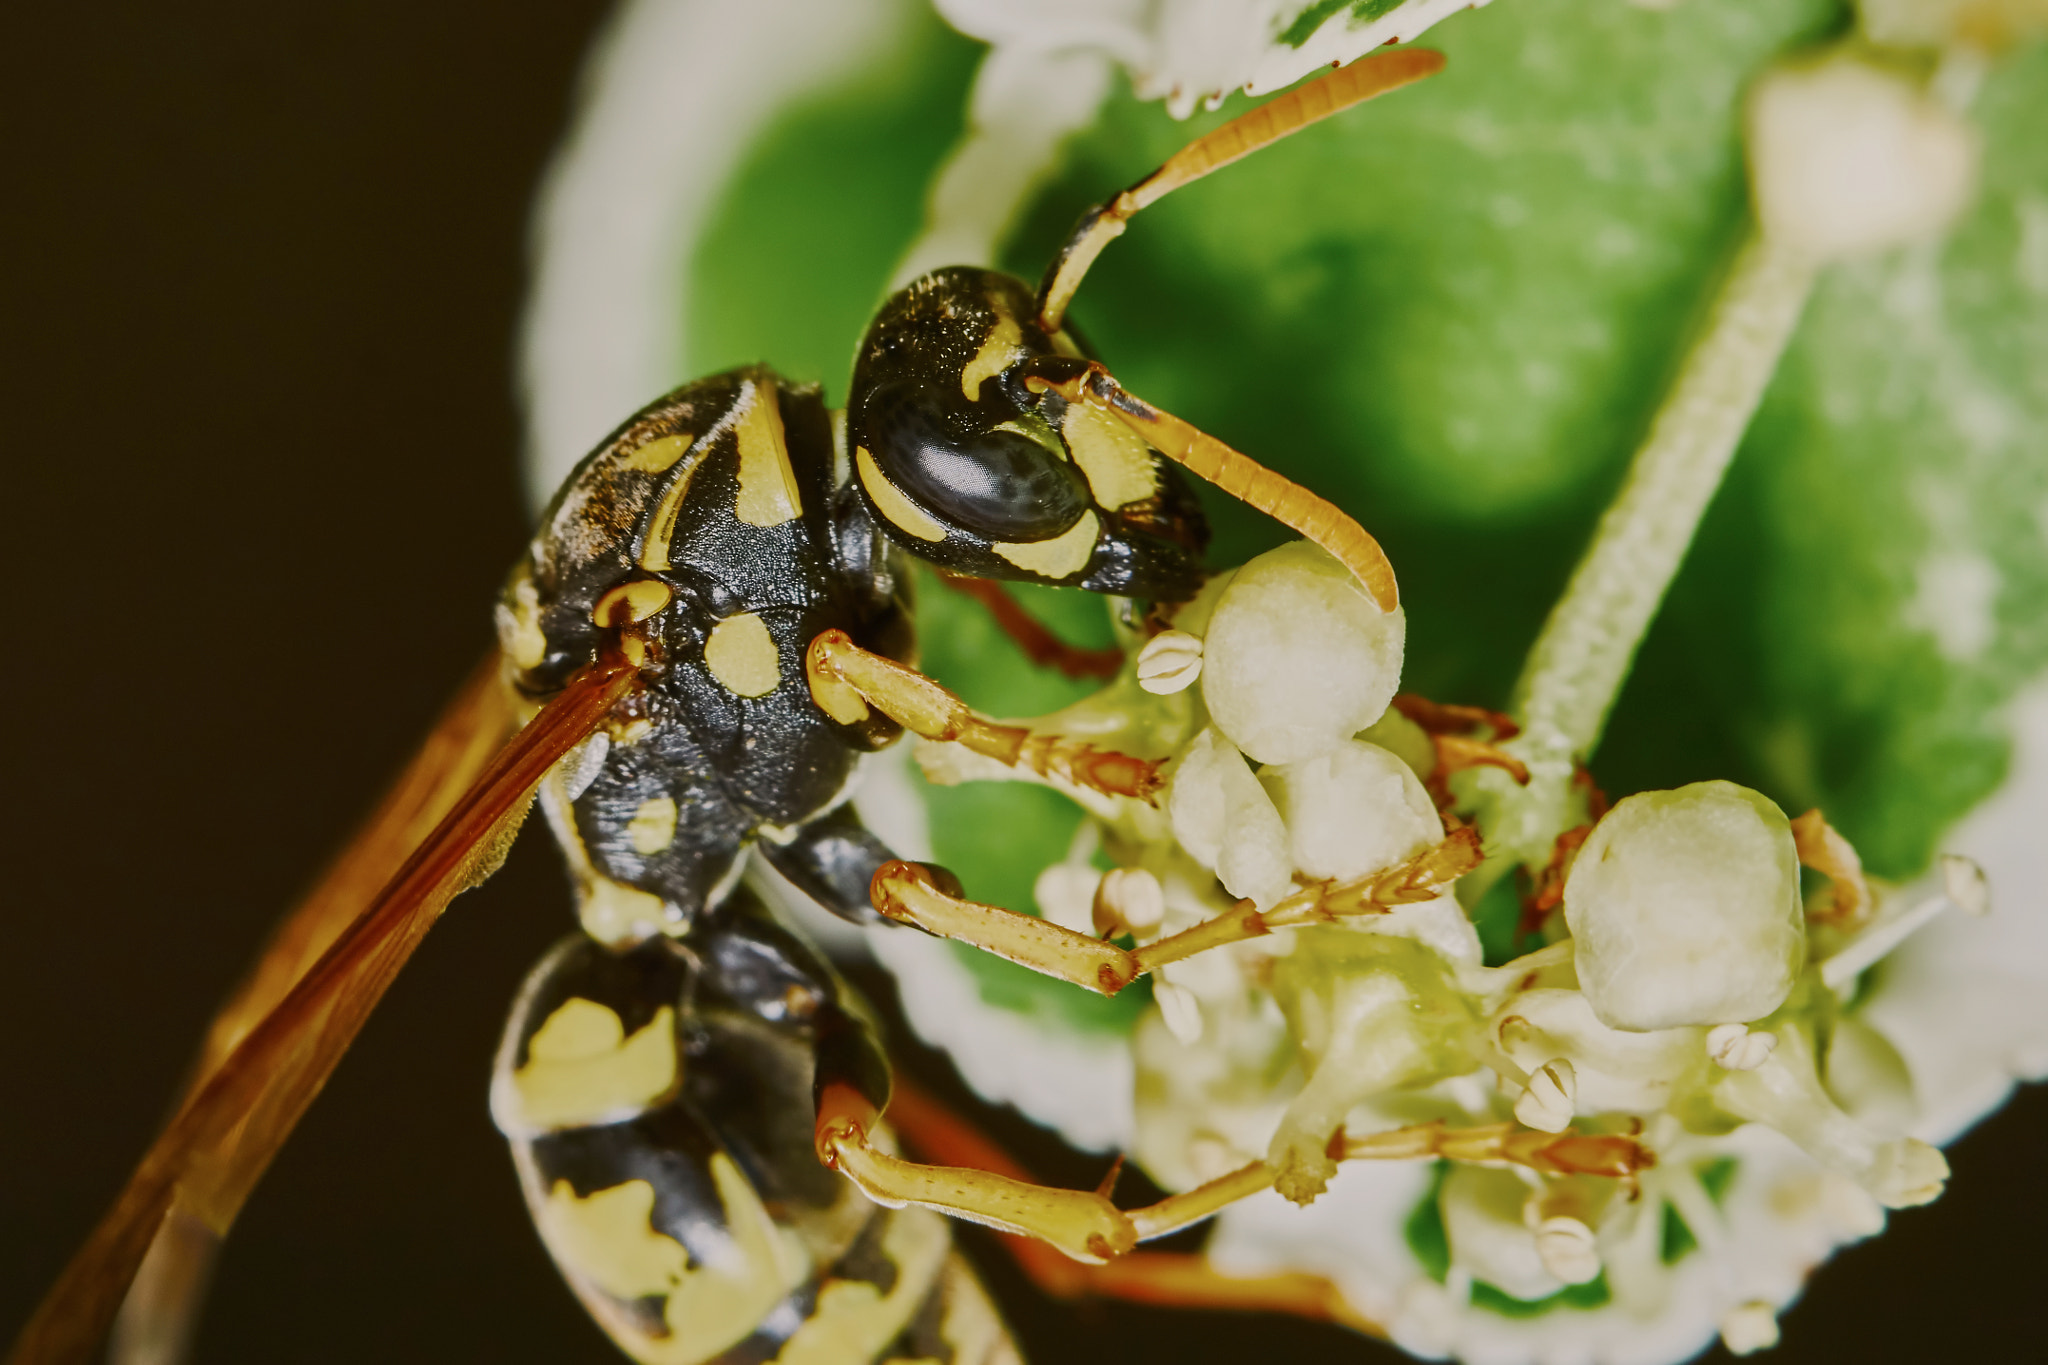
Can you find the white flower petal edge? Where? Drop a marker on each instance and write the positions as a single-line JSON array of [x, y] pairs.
[[1782, 1216], [673, 96], [1966, 1001], [1191, 52]]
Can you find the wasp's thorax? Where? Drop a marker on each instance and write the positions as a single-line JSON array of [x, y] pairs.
[[965, 466]]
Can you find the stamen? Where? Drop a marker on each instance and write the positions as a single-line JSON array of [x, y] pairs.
[[1964, 888], [1733, 1046], [1170, 662], [1550, 1100]]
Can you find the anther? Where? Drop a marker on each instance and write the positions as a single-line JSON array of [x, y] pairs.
[[1965, 884], [1750, 1328], [1566, 1248], [1170, 662], [1128, 899], [1552, 1096], [1737, 1049]]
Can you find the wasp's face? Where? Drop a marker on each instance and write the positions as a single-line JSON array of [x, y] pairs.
[[965, 467]]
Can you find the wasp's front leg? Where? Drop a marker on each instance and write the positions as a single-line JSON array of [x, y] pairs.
[[847, 680]]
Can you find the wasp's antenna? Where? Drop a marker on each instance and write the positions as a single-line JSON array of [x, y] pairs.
[[1240, 137]]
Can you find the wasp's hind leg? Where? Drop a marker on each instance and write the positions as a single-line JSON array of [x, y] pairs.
[[1088, 1228]]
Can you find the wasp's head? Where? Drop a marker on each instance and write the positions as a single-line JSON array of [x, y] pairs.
[[963, 465]]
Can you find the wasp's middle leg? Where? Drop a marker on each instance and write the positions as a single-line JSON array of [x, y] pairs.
[[915, 894]]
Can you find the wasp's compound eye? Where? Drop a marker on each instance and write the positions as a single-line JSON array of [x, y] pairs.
[[1006, 481]]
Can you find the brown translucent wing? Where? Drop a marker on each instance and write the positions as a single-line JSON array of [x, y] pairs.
[[273, 1059], [161, 1309], [472, 728]]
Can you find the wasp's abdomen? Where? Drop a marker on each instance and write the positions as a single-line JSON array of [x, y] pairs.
[[662, 1132]]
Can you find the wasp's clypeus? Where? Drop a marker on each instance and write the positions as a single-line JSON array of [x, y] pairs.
[[709, 632]]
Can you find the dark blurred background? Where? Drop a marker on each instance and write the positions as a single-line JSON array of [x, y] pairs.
[[262, 268]]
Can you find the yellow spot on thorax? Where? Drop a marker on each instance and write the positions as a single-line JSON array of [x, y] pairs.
[[1064, 555], [657, 547], [768, 493], [1114, 459], [889, 500], [581, 1067], [741, 654], [653, 826], [630, 603], [659, 455], [1000, 349]]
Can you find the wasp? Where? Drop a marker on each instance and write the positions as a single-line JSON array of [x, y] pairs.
[[710, 631]]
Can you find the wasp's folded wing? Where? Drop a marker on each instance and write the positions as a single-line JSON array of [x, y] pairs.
[[161, 1309], [247, 1099]]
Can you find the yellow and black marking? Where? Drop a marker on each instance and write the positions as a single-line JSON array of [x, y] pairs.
[[658, 1104], [967, 466], [709, 537]]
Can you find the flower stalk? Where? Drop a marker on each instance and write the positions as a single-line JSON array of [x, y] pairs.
[[1585, 650]]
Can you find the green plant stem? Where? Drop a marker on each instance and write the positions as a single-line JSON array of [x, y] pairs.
[[1578, 664]]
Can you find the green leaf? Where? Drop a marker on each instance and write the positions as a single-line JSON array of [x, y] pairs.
[[1866, 597], [1427, 1238]]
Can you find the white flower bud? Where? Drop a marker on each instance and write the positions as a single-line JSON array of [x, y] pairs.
[[1225, 820], [1065, 893], [1129, 898], [1297, 657], [1194, 803], [1848, 158], [1565, 1245], [1684, 906], [1750, 1328], [1353, 811], [1170, 662], [1736, 1048], [1551, 1098]]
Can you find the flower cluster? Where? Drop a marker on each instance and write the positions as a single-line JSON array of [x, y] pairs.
[[1681, 1002]]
